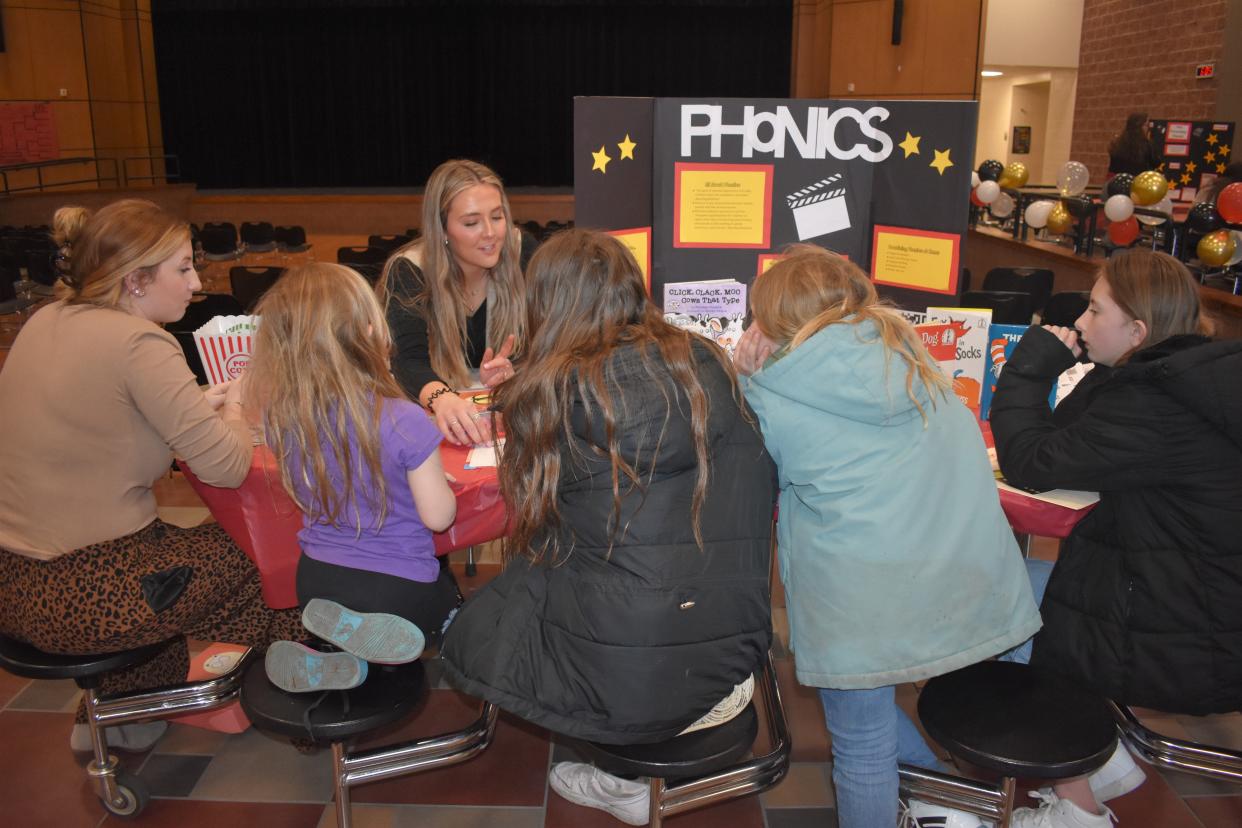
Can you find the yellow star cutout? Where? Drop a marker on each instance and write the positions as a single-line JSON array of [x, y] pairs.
[[1185, 179], [1210, 157], [1223, 149], [1220, 169], [627, 148], [1160, 167], [911, 144], [601, 160], [1212, 138], [1191, 166], [941, 162], [1173, 183]]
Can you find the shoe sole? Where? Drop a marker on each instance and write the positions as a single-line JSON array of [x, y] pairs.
[[296, 668], [376, 637], [588, 802]]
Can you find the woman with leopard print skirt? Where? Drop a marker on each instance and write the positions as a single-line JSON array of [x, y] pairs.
[[95, 398]]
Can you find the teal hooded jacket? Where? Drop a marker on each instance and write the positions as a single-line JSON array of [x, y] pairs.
[[897, 560]]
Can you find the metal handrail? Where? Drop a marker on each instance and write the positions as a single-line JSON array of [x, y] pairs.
[[39, 166], [175, 174]]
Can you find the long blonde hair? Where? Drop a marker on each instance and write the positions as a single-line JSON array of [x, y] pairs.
[[587, 302], [810, 289], [321, 372], [101, 248], [442, 300]]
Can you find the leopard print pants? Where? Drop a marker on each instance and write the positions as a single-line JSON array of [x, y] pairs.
[[91, 601]]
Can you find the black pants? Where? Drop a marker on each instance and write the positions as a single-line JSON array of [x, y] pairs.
[[425, 604]]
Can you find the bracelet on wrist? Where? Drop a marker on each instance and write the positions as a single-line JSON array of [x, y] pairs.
[[431, 399]]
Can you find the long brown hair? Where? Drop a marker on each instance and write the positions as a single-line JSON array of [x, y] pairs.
[[102, 248], [442, 299], [1157, 290], [319, 373], [1132, 144], [587, 301], [810, 289]]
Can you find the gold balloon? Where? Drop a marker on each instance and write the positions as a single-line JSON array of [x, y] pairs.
[[1059, 220], [1014, 176], [1215, 249], [1148, 188]]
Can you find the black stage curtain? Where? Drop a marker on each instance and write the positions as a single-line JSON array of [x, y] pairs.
[[375, 94]]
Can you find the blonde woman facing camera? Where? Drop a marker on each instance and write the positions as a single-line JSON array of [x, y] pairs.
[[454, 298], [95, 399], [897, 561]]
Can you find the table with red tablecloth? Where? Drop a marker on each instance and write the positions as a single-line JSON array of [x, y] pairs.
[[1031, 516], [263, 520]]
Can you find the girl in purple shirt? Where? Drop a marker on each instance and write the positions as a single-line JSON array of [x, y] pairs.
[[362, 462]]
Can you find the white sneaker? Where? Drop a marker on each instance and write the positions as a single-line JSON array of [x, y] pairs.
[[916, 814], [1059, 813], [590, 787], [1119, 775], [136, 738]]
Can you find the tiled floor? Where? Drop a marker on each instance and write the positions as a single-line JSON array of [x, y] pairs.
[[201, 778]]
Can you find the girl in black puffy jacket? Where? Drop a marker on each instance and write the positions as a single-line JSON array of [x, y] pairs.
[[1145, 600]]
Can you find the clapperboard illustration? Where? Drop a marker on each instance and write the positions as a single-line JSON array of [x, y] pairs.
[[819, 209]]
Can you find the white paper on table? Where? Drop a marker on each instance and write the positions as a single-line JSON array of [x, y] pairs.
[[483, 457], [1067, 498]]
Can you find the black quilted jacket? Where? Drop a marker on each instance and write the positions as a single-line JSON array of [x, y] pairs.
[[633, 643], [1145, 602]]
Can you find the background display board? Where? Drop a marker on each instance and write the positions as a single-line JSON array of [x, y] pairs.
[[725, 184], [1193, 153]]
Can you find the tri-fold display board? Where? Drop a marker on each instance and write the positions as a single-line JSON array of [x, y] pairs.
[[705, 189]]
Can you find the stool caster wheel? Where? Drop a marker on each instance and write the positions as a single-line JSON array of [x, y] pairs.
[[132, 796]]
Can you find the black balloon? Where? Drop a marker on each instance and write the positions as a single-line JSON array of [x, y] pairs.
[[1119, 184], [991, 170], [1079, 208], [1203, 218]]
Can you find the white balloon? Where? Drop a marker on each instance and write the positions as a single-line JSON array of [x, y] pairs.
[[974, 179], [1073, 178], [987, 191], [1037, 214], [1237, 248], [1002, 207], [1164, 206], [1119, 207]]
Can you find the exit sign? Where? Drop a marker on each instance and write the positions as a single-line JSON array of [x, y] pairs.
[[1205, 70]]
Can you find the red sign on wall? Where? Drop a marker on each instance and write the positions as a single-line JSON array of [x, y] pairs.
[[27, 133]]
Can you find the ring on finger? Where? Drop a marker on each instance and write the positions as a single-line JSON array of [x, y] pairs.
[[475, 416]]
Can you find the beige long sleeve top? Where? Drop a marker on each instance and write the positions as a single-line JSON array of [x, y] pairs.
[[93, 404]]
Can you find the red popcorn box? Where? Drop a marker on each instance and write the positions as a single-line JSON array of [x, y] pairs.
[[224, 345]]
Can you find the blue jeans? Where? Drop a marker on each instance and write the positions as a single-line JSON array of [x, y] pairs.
[[870, 734], [1039, 572]]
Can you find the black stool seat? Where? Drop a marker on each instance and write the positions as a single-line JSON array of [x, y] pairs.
[[695, 754], [388, 695], [22, 659], [1018, 721]]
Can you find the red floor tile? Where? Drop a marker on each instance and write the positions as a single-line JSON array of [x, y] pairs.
[[512, 771], [1154, 803], [41, 783], [178, 813], [10, 686], [1217, 811]]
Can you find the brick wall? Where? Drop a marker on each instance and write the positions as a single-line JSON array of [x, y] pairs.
[[1140, 56]]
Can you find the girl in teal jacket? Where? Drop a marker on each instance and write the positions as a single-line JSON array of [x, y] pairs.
[[897, 560]]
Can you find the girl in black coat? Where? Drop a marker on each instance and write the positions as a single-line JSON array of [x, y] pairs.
[[1145, 601], [636, 594]]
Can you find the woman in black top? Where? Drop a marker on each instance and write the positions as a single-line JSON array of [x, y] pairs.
[[454, 297], [1131, 151]]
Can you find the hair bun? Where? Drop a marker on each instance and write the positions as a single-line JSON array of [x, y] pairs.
[[67, 222]]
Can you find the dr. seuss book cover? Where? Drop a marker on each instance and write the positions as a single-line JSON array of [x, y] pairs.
[[715, 309], [1002, 339], [971, 343]]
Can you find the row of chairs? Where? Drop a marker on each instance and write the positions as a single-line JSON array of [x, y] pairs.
[[1015, 295], [222, 241]]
